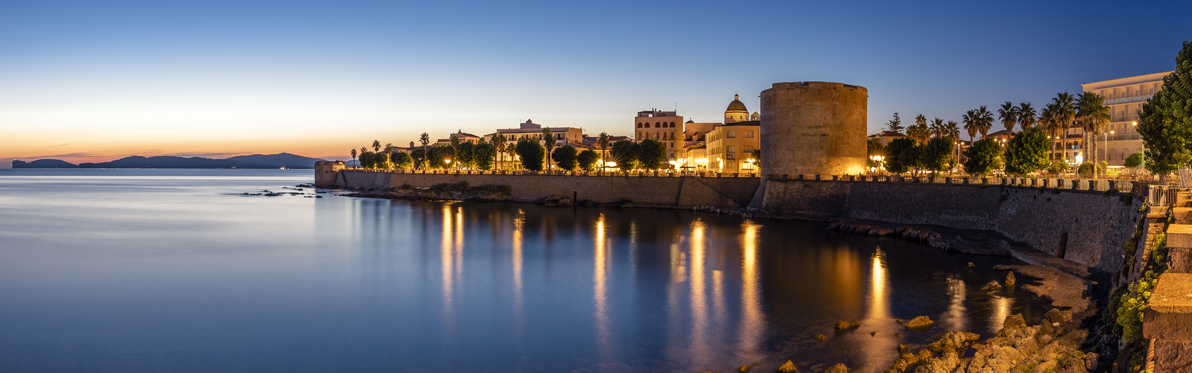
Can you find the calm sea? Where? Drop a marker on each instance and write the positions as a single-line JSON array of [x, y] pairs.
[[174, 270]]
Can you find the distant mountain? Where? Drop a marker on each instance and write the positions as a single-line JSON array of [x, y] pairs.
[[43, 163], [286, 160]]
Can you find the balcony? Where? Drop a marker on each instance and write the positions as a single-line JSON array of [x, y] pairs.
[[1128, 99]]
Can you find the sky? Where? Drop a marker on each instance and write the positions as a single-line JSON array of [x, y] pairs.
[[93, 81]]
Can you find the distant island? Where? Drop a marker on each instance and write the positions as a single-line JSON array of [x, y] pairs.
[[257, 161]]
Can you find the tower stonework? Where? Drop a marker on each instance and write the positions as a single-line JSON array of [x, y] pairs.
[[326, 172], [813, 128]]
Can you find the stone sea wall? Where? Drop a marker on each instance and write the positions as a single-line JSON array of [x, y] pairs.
[[1086, 227], [727, 192]]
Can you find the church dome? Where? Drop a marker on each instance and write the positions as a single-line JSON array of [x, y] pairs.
[[736, 105]]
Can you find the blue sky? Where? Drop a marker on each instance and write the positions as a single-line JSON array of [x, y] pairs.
[[99, 80]]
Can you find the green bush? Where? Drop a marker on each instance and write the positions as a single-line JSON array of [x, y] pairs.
[[983, 157], [564, 157], [1134, 160], [1086, 169], [587, 160], [532, 154], [1057, 167], [483, 155], [401, 160], [894, 155], [1027, 152], [651, 154], [624, 152]]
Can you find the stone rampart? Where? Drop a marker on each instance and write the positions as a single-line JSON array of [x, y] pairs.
[[1083, 226], [686, 191]]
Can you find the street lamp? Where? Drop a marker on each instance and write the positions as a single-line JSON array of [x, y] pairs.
[[1106, 159]]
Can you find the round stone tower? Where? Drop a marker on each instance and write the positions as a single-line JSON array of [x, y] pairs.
[[813, 128]]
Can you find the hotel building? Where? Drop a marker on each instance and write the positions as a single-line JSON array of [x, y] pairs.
[[1125, 97]]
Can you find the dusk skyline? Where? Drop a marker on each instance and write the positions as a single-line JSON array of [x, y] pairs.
[[94, 82]]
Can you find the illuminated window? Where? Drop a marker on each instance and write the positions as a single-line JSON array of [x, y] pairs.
[[732, 134], [749, 134], [730, 149]]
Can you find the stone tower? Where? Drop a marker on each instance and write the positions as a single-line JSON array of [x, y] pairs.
[[813, 128]]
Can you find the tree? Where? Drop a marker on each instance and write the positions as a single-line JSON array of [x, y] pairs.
[[400, 160], [354, 158], [1091, 109], [376, 146], [1026, 115], [603, 140], [1027, 152], [1134, 160], [531, 154], [919, 131], [624, 152], [1048, 122], [895, 124], [952, 131], [565, 157], [587, 160], [873, 152], [463, 154], [548, 141], [894, 154], [499, 145], [454, 142], [971, 124], [367, 160], [651, 154], [984, 119], [419, 158], [935, 155], [483, 155], [983, 157], [1009, 116], [937, 127], [1063, 113], [440, 156], [510, 147], [1165, 121]]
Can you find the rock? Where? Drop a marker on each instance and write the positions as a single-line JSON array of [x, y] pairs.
[[789, 367], [565, 202], [921, 322], [842, 326], [872, 334], [834, 226], [953, 342], [972, 266], [902, 348], [1045, 339], [1056, 316], [993, 286], [1013, 321], [838, 368], [897, 335], [1091, 360], [744, 368], [899, 321], [821, 337], [1010, 280]]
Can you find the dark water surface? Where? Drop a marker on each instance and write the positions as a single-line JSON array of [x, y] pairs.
[[168, 270]]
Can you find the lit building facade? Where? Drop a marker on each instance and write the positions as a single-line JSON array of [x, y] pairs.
[[531, 130], [662, 126], [730, 147], [1125, 97]]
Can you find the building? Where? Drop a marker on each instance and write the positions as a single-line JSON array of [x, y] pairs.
[[1125, 97], [662, 126], [885, 137], [531, 130], [730, 147]]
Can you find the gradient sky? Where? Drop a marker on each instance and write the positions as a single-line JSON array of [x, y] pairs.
[[99, 80]]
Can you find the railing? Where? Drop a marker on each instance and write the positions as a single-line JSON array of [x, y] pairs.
[[1128, 99], [1097, 185], [563, 173]]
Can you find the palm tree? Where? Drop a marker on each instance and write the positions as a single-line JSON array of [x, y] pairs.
[[548, 141], [455, 150], [985, 118], [603, 141], [937, 127], [499, 143], [1009, 116], [918, 132], [353, 158], [1094, 115], [971, 124], [1047, 120], [1064, 113], [376, 146], [1026, 115], [362, 151], [511, 148], [952, 131]]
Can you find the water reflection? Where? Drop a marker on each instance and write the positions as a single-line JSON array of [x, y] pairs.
[[447, 260], [518, 302], [752, 321], [601, 281], [954, 319]]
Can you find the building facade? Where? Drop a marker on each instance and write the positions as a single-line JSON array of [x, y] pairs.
[[531, 130], [662, 126], [730, 147], [1125, 97]]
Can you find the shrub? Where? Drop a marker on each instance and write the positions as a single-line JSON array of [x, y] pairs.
[[401, 160], [983, 157], [564, 157], [1086, 169], [1058, 167], [587, 160], [1134, 160], [1027, 152]]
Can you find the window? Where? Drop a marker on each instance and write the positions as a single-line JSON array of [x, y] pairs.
[[731, 149], [639, 125], [656, 124], [730, 156], [672, 125], [749, 134], [748, 149], [732, 134]]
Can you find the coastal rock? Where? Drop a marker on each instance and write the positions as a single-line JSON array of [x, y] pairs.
[[838, 368], [993, 286], [821, 337], [842, 326], [972, 266], [789, 367], [919, 323], [1010, 280]]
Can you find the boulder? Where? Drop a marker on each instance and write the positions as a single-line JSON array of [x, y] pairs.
[[1010, 280], [821, 337], [838, 368], [993, 286], [953, 342], [972, 266], [789, 367], [921, 322], [842, 326]]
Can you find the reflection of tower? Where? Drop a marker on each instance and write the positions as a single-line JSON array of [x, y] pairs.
[[736, 111]]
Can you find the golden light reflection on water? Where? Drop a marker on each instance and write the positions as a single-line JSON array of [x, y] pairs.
[[518, 225], [955, 317], [880, 347], [699, 301], [1001, 309], [446, 255], [752, 319], [601, 290]]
